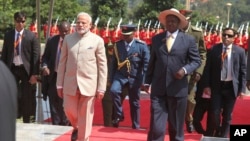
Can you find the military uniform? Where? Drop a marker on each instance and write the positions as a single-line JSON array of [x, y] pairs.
[[130, 61], [107, 104], [199, 38]]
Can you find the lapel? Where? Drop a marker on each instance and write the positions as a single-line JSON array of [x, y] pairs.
[[55, 43], [177, 42], [233, 57], [12, 40], [163, 47], [23, 40]]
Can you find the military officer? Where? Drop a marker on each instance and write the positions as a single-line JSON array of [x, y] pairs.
[[195, 77], [107, 104], [130, 61]]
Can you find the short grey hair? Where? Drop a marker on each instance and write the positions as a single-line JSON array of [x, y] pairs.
[[85, 14]]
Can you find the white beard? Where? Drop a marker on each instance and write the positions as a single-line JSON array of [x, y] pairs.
[[82, 31]]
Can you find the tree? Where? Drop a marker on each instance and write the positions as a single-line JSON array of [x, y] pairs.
[[150, 9], [104, 9]]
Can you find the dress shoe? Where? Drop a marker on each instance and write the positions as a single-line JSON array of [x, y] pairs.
[[116, 121], [190, 127], [74, 135]]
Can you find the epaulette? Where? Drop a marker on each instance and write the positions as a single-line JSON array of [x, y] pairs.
[[140, 41], [196, 28]]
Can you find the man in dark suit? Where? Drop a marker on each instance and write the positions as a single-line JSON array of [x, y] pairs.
[[174, 55], [21, 53], [50, 60], [8, 104], [225, 80], [130, 61]]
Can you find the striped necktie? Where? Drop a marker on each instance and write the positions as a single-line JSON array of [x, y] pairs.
[[17, 42], [224, 63]]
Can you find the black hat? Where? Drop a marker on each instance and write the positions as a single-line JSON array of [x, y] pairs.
[[128, 29]]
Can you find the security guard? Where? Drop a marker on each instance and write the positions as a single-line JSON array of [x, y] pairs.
[[195, 77], [130, 61]]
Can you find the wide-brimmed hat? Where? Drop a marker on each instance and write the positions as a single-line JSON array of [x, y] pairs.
[[128, 29], [175, 12]]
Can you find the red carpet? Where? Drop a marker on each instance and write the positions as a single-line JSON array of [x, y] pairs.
[[125, 133]]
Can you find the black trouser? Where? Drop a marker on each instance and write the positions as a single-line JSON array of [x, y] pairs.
[[56, 104], [108, 108], [26, 95], [202, 106]]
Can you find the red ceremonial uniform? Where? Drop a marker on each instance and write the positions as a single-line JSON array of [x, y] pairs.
[[115, 35], [53, 30], [105, 34]]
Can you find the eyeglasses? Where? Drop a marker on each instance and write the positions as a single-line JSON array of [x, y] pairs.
[[20, 21], [228, 35]]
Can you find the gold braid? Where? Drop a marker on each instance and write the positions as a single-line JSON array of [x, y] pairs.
[[121, 64]]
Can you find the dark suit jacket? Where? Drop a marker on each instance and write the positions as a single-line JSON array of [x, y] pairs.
[[212, 70], [30, 51], [163, 65], [49, 60], [8, 104], [138, 56]]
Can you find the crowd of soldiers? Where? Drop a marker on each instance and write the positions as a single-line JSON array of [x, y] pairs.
[[145, 33]]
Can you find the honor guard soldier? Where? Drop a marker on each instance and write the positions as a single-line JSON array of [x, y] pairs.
[[195, 76], [130, 61]]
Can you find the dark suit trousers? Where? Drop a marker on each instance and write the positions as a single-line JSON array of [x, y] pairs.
[[222, 107], [56, 104], [26, 95], [167, 109], [134, 101], [202, 107]]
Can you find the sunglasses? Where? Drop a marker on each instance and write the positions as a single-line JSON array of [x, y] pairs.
[[20, 21], [228, 35]]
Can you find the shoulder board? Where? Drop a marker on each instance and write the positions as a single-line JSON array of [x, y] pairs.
[[196, 28], [140, 41]]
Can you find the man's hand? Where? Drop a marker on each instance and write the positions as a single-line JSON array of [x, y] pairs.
[[60, 92], [46, 71], [99, 95], [147, 89], [33, 79], [196, 76], [241, 95], [180, 74]]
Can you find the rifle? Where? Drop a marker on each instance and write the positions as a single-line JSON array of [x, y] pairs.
[[145, 25], [247, 29], [148, 28], [96, 21], [107, 29], [138, 29], [57, 20], [205, 28], [118, 27], [217, 26]]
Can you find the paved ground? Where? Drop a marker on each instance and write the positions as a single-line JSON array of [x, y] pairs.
[[39, 132]]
